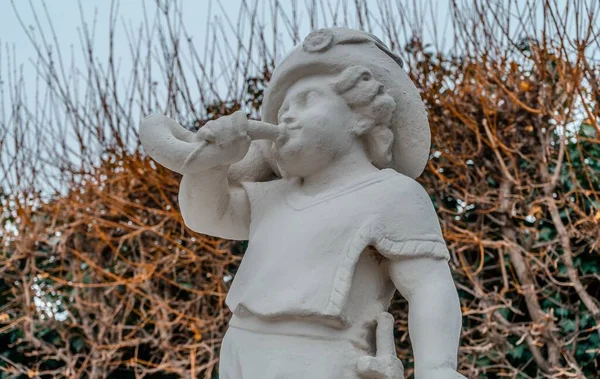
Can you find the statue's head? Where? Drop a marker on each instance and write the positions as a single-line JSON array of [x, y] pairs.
[[328, 116], [343, 90]]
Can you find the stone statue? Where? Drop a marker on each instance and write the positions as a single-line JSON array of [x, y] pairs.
[[323, 188]]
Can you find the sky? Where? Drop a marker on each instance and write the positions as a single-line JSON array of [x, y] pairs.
[[198, 17], [66, 16]]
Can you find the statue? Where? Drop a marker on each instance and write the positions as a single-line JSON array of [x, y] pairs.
[[323, 188]]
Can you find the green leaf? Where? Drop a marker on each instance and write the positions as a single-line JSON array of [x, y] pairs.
[[588, 130], [567, 325], [517, 351], [505, 312], [483, 362], [77, 344], [546, 234], [562, 312]]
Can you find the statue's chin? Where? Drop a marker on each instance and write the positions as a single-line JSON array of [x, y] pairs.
[[292, 163], [297, 157], [289, 152]]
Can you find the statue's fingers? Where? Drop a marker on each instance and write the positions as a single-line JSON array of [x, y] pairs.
[[385, 335], [371, 368], [240, 120], [205, 134]]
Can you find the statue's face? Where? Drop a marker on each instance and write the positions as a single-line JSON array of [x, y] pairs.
[[317, 123]]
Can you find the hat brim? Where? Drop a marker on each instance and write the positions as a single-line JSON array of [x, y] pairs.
[[409, 124]]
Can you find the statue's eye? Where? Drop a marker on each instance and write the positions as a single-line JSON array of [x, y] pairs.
[[311, 96], [365, 76]]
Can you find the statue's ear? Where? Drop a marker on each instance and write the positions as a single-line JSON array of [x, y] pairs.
[[380, 140]]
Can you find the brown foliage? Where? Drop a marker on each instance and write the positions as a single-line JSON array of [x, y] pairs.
[[104, 280], [129, 273]]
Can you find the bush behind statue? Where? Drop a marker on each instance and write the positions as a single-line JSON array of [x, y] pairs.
[[104, 280]]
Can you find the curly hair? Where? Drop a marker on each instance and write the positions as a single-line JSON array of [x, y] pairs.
[[374, 107]]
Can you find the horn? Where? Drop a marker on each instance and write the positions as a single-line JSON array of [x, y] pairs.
[[165, 141], [180, 150]]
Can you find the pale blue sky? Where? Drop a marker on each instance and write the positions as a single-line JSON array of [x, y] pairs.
[[66, 17]]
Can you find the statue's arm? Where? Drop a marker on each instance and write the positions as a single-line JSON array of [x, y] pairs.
[[211, 205], [434, 318], [213, 162]]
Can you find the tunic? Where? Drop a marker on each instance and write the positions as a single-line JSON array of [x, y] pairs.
[[318, 266]]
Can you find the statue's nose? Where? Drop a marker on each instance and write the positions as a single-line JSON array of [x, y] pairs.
[[288, 114]]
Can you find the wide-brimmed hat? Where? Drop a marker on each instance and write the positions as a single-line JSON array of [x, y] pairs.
[[329, 52]]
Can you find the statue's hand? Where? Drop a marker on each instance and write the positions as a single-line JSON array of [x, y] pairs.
[[385, 365], [220, 142], [229, 134]]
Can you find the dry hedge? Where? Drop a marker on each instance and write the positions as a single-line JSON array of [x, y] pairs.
[[104, 280]]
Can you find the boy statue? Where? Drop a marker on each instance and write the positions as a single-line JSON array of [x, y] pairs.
[[323, 188]]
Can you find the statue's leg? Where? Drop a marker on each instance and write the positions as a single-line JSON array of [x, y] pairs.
[[251, 355]]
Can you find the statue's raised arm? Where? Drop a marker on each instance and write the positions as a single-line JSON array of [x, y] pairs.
[[210, 196]]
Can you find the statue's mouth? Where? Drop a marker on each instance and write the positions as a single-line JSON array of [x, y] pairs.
[[285, 131], [293, 126]]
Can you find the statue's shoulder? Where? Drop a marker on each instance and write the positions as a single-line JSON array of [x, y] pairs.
[[402, 195], [400, 184]]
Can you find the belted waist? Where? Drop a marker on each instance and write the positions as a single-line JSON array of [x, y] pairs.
[[300, 327]]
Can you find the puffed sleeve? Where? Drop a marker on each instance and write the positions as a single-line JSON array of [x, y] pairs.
[[407, 225]]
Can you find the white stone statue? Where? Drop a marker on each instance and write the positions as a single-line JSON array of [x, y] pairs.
[[323, 188]]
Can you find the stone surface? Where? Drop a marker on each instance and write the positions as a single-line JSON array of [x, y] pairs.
[[323, 188]]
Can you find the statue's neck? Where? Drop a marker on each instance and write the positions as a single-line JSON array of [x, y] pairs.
[[339, 171]]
